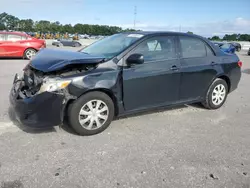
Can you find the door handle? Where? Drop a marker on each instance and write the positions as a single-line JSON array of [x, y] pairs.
[[213, 63], [174, 68]]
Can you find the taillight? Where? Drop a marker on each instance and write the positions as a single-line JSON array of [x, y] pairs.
[[239, 63]]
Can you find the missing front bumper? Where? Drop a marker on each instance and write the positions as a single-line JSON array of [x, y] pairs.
[[42, 110]]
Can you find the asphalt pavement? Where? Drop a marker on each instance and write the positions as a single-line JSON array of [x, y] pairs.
[[187, 146]]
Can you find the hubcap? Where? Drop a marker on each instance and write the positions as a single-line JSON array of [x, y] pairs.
[[218, 94], [93, 114], [30, 54]]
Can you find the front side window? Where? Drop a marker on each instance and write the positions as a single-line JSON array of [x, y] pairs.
[[157, 48], [192, 47], [11, 37], [112, 45]]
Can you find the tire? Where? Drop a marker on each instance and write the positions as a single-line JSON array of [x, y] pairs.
[[29, 53], [75, 108], [208, 103]]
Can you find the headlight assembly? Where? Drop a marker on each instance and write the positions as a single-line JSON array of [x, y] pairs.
[[51, 85]]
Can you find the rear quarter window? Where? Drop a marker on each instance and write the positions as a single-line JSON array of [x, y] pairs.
[[209, 51]]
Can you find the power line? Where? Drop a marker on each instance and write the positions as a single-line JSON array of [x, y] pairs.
[[135, 13]]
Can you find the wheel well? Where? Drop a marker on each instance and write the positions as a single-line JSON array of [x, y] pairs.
[[106, 91], [29, 48], [227, 80]]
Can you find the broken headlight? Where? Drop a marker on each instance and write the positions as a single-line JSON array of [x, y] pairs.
[[51, 85]]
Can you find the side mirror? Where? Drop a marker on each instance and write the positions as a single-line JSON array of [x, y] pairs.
[[135, 59]]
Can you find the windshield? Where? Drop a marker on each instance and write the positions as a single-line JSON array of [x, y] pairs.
[[111, 45]]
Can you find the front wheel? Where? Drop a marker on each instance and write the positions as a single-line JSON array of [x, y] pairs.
[[91, 114], [29, 53], [216, 94]]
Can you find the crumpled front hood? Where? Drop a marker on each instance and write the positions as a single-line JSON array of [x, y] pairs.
[[48, 60]]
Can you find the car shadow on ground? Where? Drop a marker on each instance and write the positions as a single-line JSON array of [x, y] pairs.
[[65, 126], [159, 110], [26, 129]]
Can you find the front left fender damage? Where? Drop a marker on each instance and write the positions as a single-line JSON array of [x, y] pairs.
[[38, 110]]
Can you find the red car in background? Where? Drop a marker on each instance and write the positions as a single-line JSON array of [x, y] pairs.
[[18, 44]]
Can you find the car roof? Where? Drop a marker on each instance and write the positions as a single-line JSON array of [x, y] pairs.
[[159, 33], [150, 33], [13, 32]]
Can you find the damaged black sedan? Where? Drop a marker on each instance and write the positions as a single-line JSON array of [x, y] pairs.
[[119, 75]]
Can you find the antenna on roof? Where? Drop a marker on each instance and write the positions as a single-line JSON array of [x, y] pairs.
[[135, 12]]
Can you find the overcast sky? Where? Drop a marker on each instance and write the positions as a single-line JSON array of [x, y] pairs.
[[213, 17]]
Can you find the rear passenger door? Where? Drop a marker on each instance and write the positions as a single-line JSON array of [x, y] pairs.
[[198, 67]]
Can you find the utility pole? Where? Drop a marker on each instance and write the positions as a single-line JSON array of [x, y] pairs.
[[135, 13]]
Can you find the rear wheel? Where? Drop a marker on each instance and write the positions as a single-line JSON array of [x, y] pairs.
[[29, 53], [216, 94], [91, 114]]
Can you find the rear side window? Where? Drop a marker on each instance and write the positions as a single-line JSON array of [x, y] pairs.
[[192, 47], [12, 37], [2, 37]]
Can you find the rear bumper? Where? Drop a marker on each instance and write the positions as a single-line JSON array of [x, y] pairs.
[[42, 110], [235, 77]]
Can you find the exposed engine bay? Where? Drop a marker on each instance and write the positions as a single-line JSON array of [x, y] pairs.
[[33, 79]]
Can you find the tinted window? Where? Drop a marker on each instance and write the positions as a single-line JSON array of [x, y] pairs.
[[192, 47], [2, 37], [14, 37], [157, 48]]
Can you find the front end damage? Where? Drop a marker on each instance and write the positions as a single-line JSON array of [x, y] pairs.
[[39, 99], [40, 96]]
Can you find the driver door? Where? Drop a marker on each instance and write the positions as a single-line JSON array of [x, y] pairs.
[[156, 81]]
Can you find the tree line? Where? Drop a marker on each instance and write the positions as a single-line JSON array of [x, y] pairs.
[[232, 37], [10, 22]]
